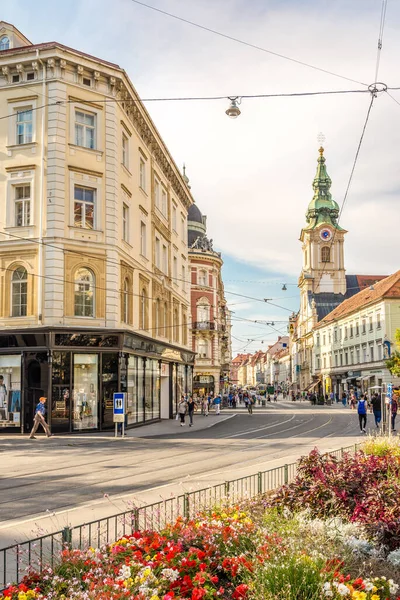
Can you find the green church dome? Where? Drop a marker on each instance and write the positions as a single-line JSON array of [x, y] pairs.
[[322, 208]]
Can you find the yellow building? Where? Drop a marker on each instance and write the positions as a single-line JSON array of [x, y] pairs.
[[93, 245]]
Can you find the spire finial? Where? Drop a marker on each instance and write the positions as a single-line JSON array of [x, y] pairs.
[[320, 140], [184, 176]]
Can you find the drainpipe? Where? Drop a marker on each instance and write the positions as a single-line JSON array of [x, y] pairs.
[[40, 286]]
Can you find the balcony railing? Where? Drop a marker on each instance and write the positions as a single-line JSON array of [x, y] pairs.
[[204, 325]]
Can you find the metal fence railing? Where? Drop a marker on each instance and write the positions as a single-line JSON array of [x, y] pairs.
[[18, 559]]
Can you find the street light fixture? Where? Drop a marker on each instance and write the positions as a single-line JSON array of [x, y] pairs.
[[233, 111]]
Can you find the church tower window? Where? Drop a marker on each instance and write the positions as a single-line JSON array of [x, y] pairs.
[[325, 254]]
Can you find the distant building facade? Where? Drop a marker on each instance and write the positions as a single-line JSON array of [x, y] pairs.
[[211, 323]]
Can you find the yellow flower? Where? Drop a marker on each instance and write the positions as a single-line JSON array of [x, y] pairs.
[[359, 595], [30, 594], [155, 598], [22, 596], [375, 597]]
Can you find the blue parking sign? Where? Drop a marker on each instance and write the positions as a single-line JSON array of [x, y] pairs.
[[119, 407]]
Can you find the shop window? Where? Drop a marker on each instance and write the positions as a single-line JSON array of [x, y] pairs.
[[19, 292], [132, 400], [85, 391], [10, 390], [84, 293], [156, 390], [61, 380], [140, 389], [148, 396]]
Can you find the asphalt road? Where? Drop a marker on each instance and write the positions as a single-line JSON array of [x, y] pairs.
[[48, 483]]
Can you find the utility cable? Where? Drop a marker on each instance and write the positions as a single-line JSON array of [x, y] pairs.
[[348, 184], [380, 38], [244, 43]]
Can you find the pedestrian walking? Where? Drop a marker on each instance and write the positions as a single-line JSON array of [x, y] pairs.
[[191, 406], [39, 419], [395, 405], [217, 403], [182, 410], [362, 413], [376, 409]]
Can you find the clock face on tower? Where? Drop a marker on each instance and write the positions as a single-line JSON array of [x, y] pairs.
[[325, 234]]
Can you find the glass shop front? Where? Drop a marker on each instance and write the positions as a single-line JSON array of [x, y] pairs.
[[79, 373]]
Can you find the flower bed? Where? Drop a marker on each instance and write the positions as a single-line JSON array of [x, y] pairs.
[[272, 549]]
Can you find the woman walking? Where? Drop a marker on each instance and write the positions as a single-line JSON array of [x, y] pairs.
[[182, 409]]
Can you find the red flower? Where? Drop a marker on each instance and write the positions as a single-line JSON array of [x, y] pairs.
[[198, 593], [240, 591]]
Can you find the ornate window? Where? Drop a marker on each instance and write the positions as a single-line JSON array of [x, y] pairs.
[[19, 292], [202, 348], [125, 301], [143, 310], [22, 205], [84, 207], [84, 293], [165, 321], [176, 325], [325, 254], [4, 43], [157, 325], [202, 277], [85, 129], [24, 133], [203, 310]]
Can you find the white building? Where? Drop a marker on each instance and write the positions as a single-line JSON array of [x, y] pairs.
[[353, 341]]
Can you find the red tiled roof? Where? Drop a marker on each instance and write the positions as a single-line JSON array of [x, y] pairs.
[[385, 288], [367, 280]]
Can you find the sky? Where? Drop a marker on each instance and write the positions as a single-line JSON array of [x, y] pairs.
[[252, 176]]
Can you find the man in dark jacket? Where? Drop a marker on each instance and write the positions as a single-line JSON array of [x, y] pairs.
[[376, 408]]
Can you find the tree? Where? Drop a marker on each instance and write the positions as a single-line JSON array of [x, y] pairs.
[[393, 363]]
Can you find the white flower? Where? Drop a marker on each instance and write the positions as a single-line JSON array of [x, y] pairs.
[[326, 586], [170, 574], [368, 585], [393, 587], [124, 572], [343, 590]]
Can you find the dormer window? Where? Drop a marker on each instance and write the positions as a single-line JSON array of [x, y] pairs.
[[4, 43]]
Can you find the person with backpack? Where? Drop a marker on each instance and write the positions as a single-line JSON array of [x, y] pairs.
[[362, 413]]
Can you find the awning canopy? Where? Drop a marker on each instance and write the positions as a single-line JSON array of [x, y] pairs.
[[312, 385]]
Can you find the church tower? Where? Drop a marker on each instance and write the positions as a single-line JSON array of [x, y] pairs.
[[323, 240]]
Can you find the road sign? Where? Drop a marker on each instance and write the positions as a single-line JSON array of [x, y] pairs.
[[389, 390], [119, 407]]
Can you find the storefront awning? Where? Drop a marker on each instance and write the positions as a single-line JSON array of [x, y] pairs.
[[312, 385]]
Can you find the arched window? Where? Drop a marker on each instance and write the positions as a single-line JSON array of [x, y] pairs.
[[19, 287], [202, 277], [143, 310], [4, 43], [125, 301], [84, 293], [203, 310], [325, 254]]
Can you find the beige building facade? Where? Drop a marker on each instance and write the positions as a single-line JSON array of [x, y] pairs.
[[94, 291]]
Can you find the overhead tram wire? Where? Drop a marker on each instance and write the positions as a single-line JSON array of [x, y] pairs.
[[349, 181], [244, 43], [380, 38]]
